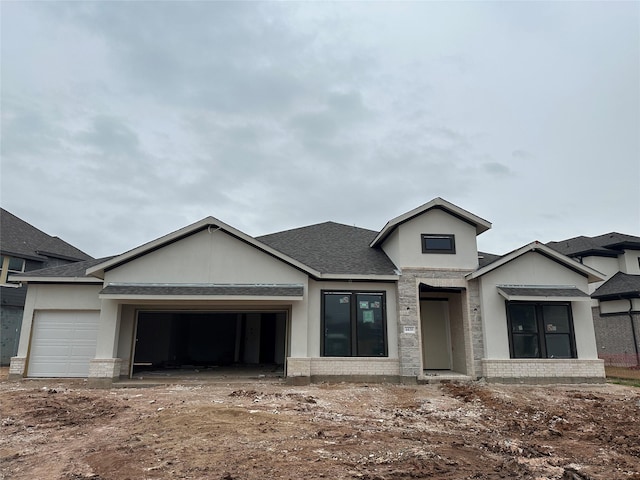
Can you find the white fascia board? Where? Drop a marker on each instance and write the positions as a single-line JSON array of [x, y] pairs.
[[591, 274], [481, 224], [211, 222]]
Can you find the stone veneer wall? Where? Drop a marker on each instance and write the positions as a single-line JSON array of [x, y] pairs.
[[543, 370], [614, 338], [408, 298]]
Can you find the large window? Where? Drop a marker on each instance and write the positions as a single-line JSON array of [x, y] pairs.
[[438, 243], [354, 324], [540, 330]]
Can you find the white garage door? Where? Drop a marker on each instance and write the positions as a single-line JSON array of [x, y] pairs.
[[62, 343]]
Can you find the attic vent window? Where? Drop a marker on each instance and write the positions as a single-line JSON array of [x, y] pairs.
[[438, 243]]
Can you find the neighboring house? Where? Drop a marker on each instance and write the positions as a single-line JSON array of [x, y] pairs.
[[329, 301], [23, 248], [616, 304]]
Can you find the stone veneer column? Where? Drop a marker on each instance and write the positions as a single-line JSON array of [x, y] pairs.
[[475, 320], [17, 368], [408, 343], [105, 367], [103, 372]]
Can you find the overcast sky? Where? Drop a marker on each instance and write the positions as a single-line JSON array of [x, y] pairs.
[[122, 122]]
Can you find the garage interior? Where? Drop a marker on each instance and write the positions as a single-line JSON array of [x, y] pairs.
[[187, 341]]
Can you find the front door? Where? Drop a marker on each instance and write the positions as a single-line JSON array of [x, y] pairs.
[[436, 337]]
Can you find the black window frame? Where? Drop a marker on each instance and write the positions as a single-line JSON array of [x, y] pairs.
[[541, 333], [353, 344], [428, 236]]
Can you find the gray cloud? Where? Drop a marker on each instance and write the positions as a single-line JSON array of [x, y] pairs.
[[150, 116], [110, 137], [496, 168]]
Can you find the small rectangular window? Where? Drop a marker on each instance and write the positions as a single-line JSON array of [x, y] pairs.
[[432, 243]]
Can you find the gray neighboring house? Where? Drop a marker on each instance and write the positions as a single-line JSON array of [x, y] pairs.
[[24, 248], [616, 300]]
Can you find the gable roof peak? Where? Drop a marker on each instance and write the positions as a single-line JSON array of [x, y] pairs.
[[481, 225], [538, 247], [315, 226], [210, 223]]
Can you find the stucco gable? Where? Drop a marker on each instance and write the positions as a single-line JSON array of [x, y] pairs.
[[537, 247], [210, 225], [481, 225], [208, 256]]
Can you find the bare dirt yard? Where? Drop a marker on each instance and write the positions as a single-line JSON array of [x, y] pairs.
[[267, 430]]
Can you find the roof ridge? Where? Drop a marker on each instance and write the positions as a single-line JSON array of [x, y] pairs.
[[306, 227]]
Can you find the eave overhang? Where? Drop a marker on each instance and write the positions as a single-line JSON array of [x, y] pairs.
[[25, 256], [616, 296]]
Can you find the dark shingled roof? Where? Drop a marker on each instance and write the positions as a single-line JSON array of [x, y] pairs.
[[485, 258], [621, 284], [332, 248], [75, 269], [20, 239], [235, 290], [543, 291], [608, 244]]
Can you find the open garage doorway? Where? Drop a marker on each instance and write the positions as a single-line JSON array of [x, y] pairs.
[[194, 341]]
